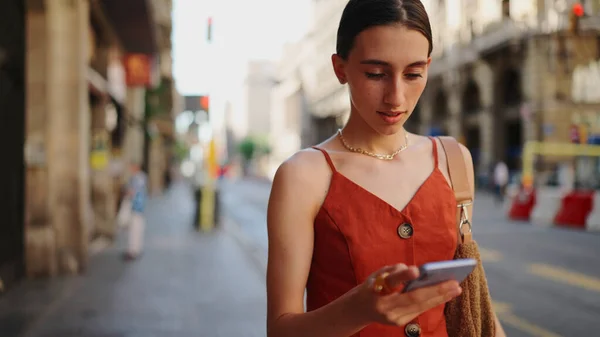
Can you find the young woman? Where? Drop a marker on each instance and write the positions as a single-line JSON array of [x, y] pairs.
[[351, 218]]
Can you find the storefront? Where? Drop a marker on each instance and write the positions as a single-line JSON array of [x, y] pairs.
[[12, 104]]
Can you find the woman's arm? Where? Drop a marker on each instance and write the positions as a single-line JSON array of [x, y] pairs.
[[292, 209], [471, 177]]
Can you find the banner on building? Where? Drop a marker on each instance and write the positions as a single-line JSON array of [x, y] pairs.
[[140, 70]]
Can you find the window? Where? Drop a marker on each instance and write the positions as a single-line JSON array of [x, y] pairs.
[[592, 7], [506, 8], [293, 109], [512, 88]]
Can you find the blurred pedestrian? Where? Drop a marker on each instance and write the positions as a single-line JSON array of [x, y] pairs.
[[136, 196], [501, 177], [354, 216]]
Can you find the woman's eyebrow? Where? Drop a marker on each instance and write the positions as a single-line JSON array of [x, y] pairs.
[[417, 64], [387, 64], [376, 62]]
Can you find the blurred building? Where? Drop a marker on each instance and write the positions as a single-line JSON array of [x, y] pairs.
[[309, 104], [252, 115], [89, 88], [163, 102], [289, 110], [258, 87], [503, 72], [12, 105]]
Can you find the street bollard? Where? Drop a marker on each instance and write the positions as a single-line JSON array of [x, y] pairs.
[[207, 201], [521, 204], [197, 199]]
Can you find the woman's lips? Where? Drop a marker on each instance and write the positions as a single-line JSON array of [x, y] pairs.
[[390, 117], [390, 113]]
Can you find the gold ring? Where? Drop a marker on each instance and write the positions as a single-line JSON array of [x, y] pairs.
[[379, 284]]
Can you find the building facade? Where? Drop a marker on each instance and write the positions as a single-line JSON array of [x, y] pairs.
[[290, 126], [257, 91], [12, 104], [80, 110], [502, 73], [309, 104]]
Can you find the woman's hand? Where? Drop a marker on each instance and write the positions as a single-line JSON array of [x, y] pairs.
[[390, 306]]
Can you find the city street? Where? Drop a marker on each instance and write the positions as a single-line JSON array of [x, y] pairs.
[[187, 284], [148, 101], [545, 281]]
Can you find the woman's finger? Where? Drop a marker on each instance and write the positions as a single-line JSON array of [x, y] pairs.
[[421, 300], [387, 279], [398, 277]]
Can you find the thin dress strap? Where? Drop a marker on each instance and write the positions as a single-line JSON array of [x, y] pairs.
[[435, 152], [327, 157]]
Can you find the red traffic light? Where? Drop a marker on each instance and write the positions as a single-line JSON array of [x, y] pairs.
[[204, 102], [578, 9], [209, 29]]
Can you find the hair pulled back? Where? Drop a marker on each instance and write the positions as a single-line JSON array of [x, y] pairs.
[[359, 15]]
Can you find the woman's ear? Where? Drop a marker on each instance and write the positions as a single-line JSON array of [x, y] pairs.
[[339, 67]]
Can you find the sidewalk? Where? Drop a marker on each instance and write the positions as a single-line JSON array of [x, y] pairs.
[[186, 284]]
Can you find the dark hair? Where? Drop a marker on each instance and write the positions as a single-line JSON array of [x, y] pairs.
[[359, 15]]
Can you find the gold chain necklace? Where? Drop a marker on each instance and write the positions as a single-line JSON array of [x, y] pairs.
[[376, 155]]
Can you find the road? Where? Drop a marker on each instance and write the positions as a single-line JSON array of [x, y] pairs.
[[545, 281], [186, 284]]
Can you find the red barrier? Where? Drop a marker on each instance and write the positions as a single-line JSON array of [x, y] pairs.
[[574, 209], [522, 205]]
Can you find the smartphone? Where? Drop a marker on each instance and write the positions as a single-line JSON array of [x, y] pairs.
[[438, 272]]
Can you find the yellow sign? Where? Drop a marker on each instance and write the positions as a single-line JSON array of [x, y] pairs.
[[534, 148], [99, 155], [583, 134], [99, 160]]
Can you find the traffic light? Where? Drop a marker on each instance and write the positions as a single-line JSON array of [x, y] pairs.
[[577, 11], [204, 103], [209, 29]]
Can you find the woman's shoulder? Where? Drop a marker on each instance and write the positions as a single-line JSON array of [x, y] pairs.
[[311, 160], [305, 163], [303, 179]]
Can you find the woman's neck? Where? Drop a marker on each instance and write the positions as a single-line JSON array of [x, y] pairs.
[[359, 134]]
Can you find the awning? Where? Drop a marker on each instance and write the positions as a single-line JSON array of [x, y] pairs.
[[102, 88], [96, 83], [133, 23]]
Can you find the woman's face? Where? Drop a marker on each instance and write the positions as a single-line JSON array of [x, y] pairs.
[[386, 72]]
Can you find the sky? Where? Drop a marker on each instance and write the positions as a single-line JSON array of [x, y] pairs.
[[242, 30]]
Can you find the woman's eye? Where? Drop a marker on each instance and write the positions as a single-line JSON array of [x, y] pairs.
[[414, 75], [375, 75]]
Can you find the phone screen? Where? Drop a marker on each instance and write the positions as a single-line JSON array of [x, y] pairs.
[[438, 272]]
